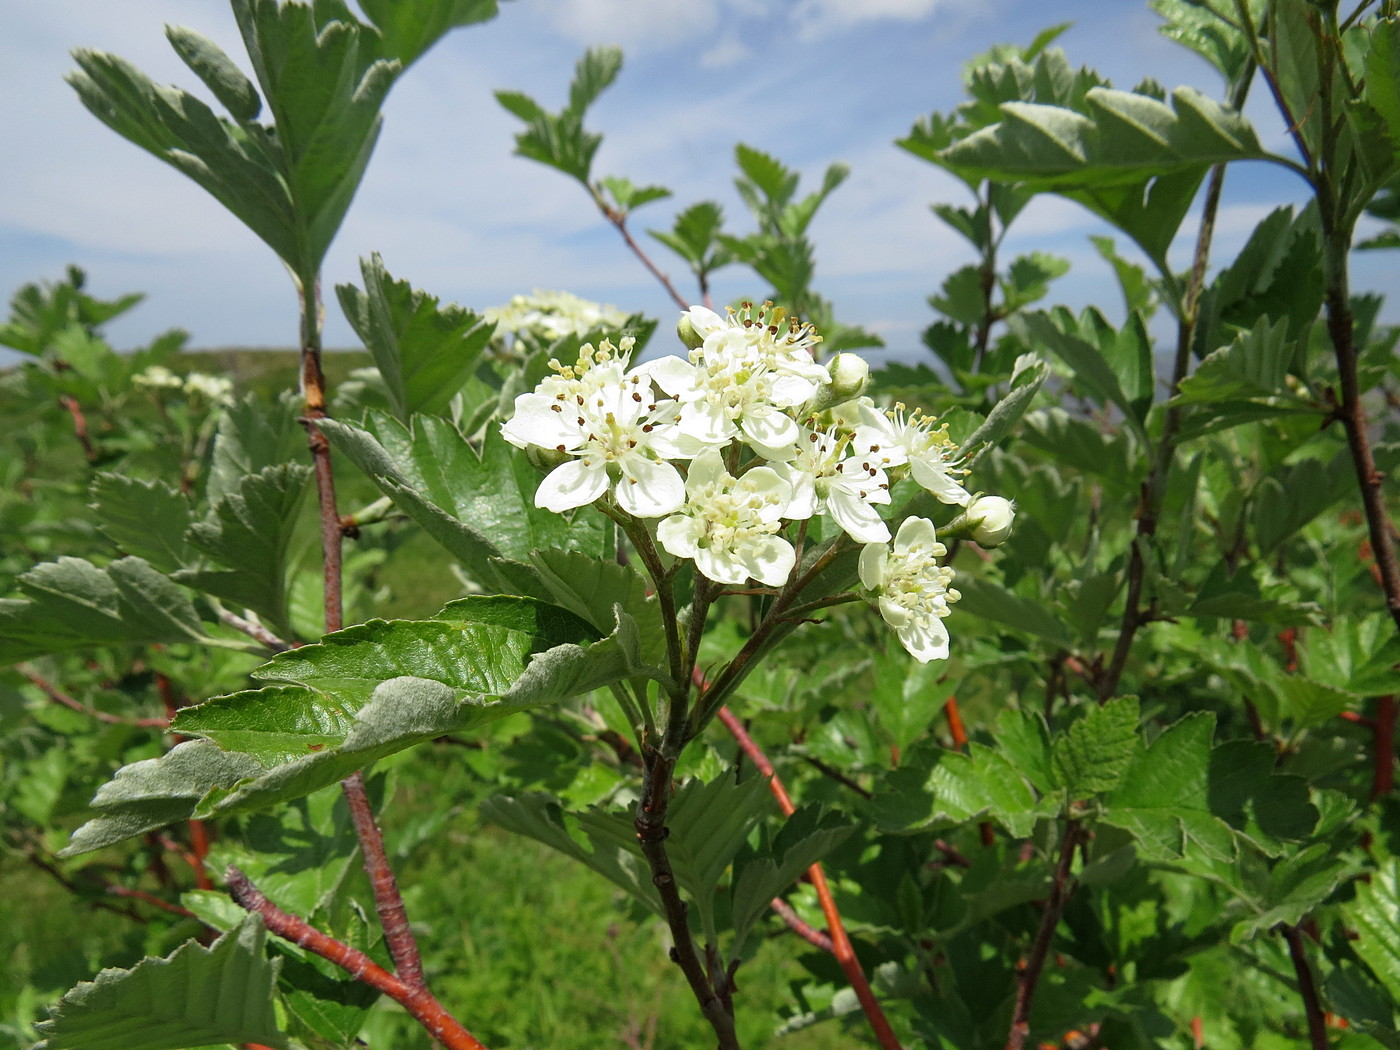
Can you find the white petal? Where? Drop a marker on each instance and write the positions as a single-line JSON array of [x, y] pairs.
[[914, 532], [926, 639], [648, 489], [720, 565], [789, 390], [770, 428], [705, 321], [770, 560], [804, 491], [896, 615], [937, 480], [672, 374], [679, 535], [857, 517], [872, 565], [706, 469], [890, 451], [571, 485], [708, 422]]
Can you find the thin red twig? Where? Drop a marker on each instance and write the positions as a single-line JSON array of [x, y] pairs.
[[80, 427], [1307, 988], [393, 916], [1383, 743], [1040, 948], [840, 944], [619, 222], [151, 899], [59, 697], [418, 1001]]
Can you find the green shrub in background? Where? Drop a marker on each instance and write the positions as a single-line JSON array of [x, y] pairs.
[[1125, 780]]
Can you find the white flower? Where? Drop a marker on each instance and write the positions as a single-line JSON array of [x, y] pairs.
[[614, 429], [158, 377], [729, 526], [994, 516], [554, 315], [930, 453], [912, 587], [723, 397], [216, 389], [826, 478]]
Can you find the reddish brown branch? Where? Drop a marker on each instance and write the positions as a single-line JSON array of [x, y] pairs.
[[794, 922], [1307, 988], [619, 221], [255, 631], [151, 899], [419, 1002], [1383, 744], [1060, 889], [840, 944], [80, 427], [388, 902], [59, 697]]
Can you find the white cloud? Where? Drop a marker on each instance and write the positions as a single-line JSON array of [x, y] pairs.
[[649, 23], [818, 18], [727, 51]]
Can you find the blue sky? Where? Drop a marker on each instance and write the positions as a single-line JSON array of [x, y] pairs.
[[452, 210]]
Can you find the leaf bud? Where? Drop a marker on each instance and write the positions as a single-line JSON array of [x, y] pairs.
[[544, 459], [685, 328], [992, 519]]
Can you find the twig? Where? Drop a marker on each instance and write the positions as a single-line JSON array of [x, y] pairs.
[[619, 221], [418, 1001], [80, 427], [151, 899], [255, 631], [794, 922], [835, 774], [388, 902], [840, 944], [1040, 949], [59, 697], [1307, 988], [1383, 744]]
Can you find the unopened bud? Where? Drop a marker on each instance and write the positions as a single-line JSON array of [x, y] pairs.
[[685, 328], [544, 459], [992, 519], [850, 375]]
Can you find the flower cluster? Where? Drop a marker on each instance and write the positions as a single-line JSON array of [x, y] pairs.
[[215, 389], [554, 315], [748, 434]]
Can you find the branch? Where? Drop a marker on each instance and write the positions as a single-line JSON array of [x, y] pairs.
[[59, 697], [80, 427], [840, 943], [1307, 988], [419, 1002], [388, 902], [255, 631], [619, 221], [1060, 889]]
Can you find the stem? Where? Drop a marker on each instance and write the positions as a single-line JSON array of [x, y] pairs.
[[1383, 744], [313, 388], [388, 902], [1352, 413], [1155, 484], [651, 828], [1060, 890], [59, 697], [419, 1002], [1307, 988], [256, 631], [794, 922], [840, 943], [80, 427], [619, 221]]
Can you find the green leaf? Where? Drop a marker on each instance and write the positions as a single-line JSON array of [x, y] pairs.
[[1138, 294], [934, 788], [253, 434], [147, 519], [693, 236], [1098, 748], [594, 587], [72, 604], [157, 792], [1372, 915], [1254, 365], [274, 724], [410, 681], [1092, 371], [1271, 809], [776, 182], [982, 597], [479, 504], [628, 197], [247, 537], [1007, 412], [593, 74], [220, 74], [806, 837], [610, 849], [1162, 797], [1116, 458], [424, 352], [1210, 29], [196, 996], [324, 86], [560, 140], [1028, 278], [409, 29], [1297, 493]]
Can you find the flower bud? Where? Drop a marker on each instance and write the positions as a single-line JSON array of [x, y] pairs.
[[850, 375], [544, 459], [992, 519], [685, 328]]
